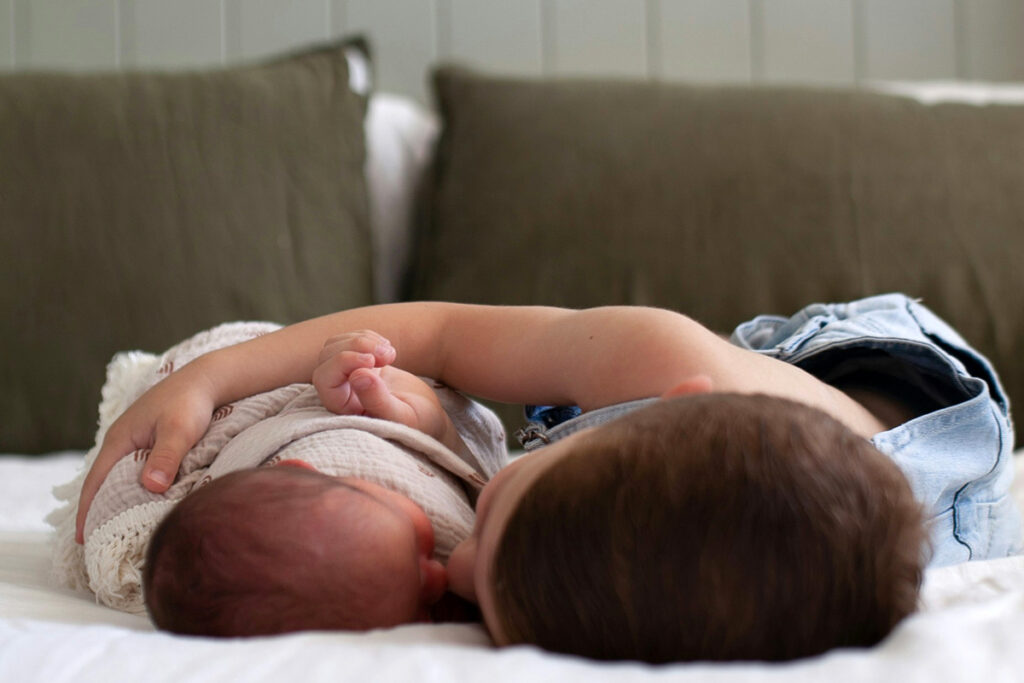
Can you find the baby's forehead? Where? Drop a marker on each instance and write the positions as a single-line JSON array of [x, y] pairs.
[[314, 495], [256, 485], [280, 476]]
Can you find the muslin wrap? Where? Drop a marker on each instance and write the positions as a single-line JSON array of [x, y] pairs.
[[286, 423]]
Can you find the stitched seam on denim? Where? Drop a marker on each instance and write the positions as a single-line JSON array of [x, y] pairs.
[[956, 496], [793, 344], [956, 522]]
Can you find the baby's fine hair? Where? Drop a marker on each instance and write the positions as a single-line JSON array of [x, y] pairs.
[[241, 556], [712, 527]]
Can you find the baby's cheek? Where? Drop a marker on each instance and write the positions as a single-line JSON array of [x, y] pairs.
[[433, 580], [460, 569]]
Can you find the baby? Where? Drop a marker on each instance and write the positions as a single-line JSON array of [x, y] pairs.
[[297, 545], [423, 465]]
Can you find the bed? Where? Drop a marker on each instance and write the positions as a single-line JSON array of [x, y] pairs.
[[968, 629], [475, 187]]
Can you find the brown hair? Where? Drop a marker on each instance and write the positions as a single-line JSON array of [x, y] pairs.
[[248, 555], [715, 527]]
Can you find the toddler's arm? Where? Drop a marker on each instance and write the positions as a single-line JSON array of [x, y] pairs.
[[518, 354]]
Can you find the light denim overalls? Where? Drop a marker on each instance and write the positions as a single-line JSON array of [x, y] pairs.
[[957, 457]]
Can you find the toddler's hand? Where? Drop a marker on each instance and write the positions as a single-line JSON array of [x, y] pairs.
[[168, 419]]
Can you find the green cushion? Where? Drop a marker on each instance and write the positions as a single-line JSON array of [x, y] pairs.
[[726, 202], [138, 208]]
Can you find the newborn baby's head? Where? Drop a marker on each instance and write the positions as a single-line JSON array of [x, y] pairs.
[[287, 548]]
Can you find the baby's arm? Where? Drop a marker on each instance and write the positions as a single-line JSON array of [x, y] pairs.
[[387, 393]]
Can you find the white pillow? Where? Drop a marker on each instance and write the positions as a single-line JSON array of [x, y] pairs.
[[937, 92], [400, 136]]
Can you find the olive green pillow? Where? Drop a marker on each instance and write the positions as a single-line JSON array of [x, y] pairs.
[[139, 208], [726, 202]]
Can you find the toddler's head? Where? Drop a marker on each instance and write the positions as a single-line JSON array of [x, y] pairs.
[[286, 548], [712, 527]]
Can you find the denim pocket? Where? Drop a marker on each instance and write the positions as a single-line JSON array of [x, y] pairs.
[[946, 548]]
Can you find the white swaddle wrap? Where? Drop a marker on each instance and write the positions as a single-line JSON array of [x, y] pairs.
[[286, 423]]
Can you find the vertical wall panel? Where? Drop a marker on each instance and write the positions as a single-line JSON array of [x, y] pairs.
[[257, 28], [6, 34], [704, 41], [598, 37], [809, 41], [503, 36], [183, 33], [909, 39], [834, 41], [338, 10], [404, 39], [994, 39], [70, 35]]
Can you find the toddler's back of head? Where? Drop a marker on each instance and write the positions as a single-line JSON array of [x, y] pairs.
[[279, 549], [712, 527]]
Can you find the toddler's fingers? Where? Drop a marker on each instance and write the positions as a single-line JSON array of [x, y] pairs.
[[331, 381], [378, 401], [335, 370], [111, 451], [162, 462]]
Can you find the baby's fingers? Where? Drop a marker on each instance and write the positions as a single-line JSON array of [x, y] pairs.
[[378, 401]]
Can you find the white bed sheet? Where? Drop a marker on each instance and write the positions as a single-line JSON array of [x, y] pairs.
[[971, 628]]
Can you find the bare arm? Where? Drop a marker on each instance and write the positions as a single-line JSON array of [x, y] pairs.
[[533, 354], [515, 354], [590, 358]]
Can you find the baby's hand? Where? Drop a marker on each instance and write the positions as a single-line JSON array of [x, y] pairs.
[[396, 395], [355, 378], [339, 358]]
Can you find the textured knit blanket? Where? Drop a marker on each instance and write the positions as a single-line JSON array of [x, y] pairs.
[[286, 423]]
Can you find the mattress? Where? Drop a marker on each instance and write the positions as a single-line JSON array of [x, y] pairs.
[[970, 628]]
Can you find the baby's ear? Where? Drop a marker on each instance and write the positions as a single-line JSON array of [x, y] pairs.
[[695, 384]]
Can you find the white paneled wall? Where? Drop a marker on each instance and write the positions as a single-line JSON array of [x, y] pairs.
[[6, 34], [929, 25], [404, 36], [183, 33], [807, 41], [702, 41], [811, 41], [597, 37], [499, 35]]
